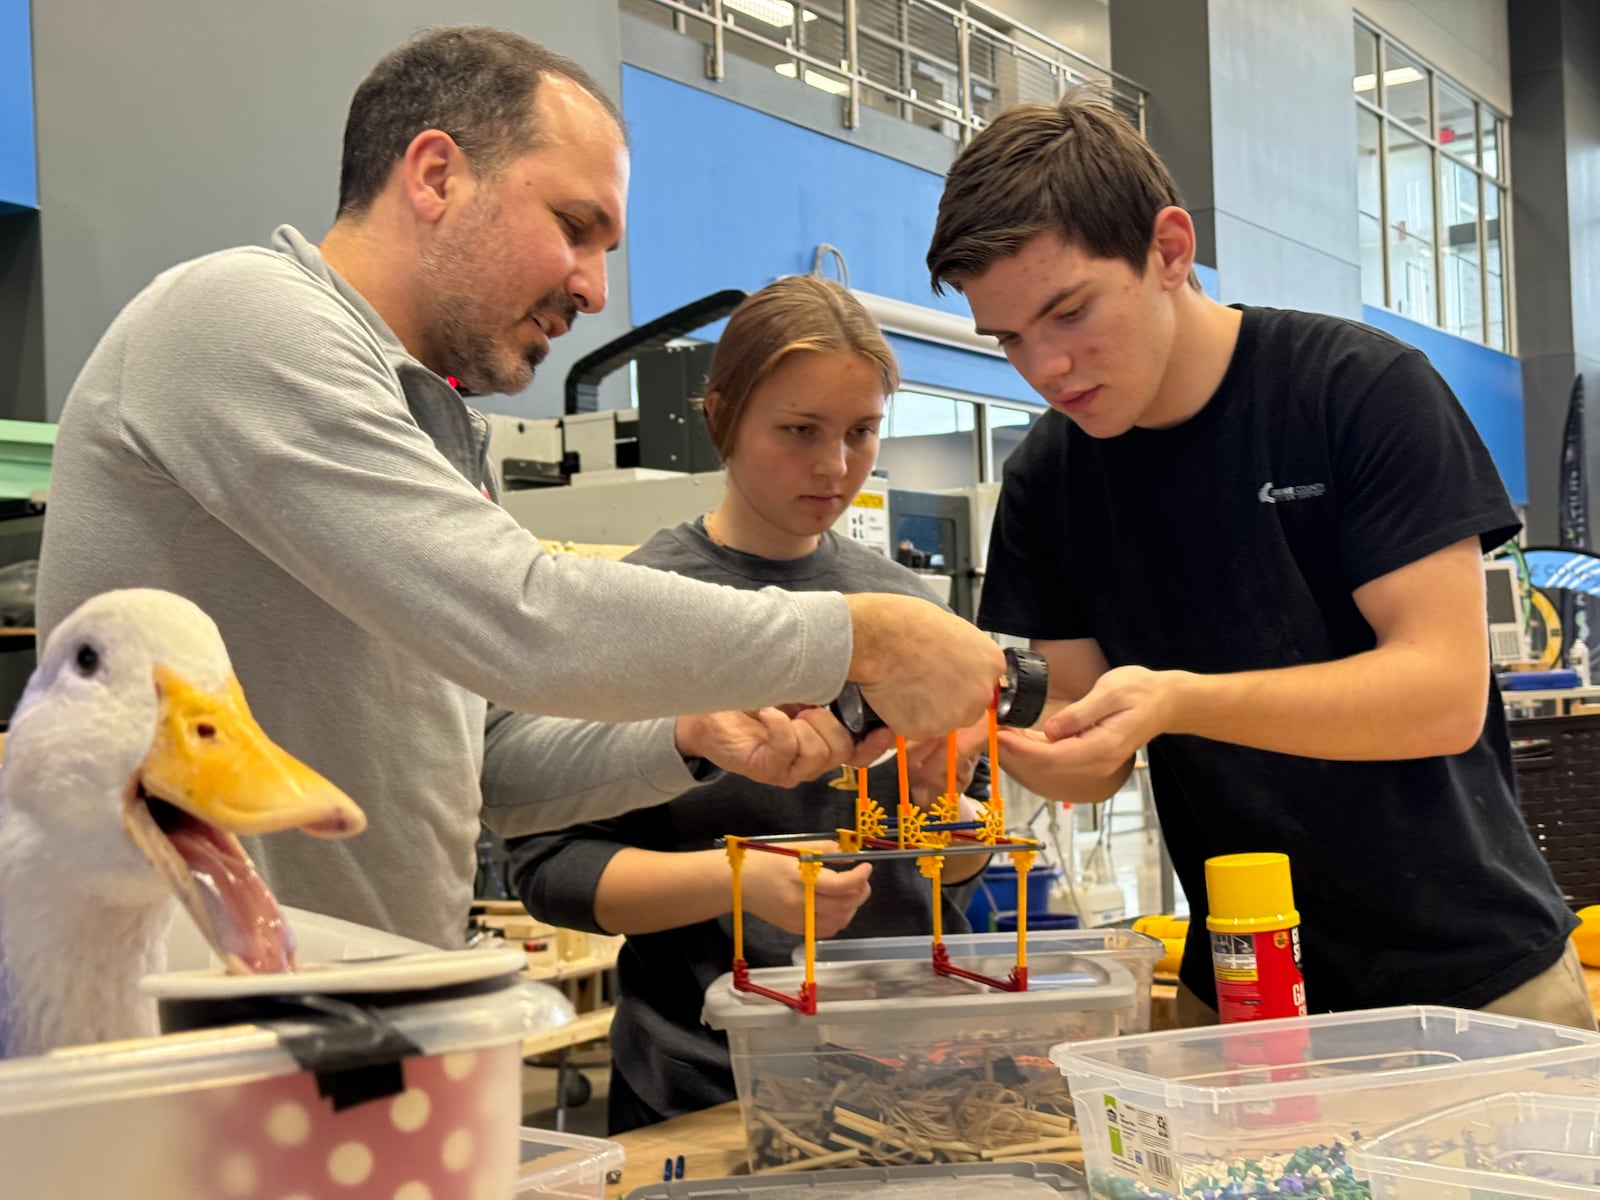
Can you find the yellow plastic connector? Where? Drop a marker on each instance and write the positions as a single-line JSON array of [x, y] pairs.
[[994, 824]]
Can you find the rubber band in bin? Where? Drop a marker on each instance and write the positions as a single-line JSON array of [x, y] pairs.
[[1274, 1108], [949, 1181], [1135, 951], [568, 1166], [901, 1065], [1557, 764], [1516, 1145], [352, 1081]]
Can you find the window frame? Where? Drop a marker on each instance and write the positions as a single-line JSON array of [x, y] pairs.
[[1485, 118]]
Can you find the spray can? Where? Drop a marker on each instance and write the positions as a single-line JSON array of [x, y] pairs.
[[1255, 937]]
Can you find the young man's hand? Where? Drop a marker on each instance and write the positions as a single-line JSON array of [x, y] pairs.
[[1124, 710], [928, 768]]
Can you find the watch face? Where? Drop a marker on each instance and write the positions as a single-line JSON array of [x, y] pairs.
[[851, 709]]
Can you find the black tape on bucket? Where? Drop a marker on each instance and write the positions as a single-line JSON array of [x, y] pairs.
[[348, 1042]]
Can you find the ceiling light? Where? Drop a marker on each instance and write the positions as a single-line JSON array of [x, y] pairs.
[[1393, 77]]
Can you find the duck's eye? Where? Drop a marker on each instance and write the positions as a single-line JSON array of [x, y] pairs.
[[88, 659]]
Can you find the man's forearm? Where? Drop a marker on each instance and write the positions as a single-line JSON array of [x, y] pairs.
[[1387, 703]]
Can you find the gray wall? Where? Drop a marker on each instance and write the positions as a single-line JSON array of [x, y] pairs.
[[1081, 25], [1555, 147], [1250, 107], [168, 130]]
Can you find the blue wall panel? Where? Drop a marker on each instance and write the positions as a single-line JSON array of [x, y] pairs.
[[725, 196], [1488, 383], [19, 180]]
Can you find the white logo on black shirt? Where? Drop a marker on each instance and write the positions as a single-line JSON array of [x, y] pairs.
[[1269, 494]]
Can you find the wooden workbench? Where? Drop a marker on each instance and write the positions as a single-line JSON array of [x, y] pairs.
[[712, 1141]]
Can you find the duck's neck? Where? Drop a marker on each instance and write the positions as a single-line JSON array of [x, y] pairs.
[[72, 955]]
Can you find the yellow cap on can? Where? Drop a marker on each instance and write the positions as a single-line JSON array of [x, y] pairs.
[[1249, 891]]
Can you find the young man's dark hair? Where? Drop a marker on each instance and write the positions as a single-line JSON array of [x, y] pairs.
[[474, 83], [1076, 169]]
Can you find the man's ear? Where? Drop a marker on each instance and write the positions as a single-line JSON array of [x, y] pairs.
[[434, 173], [1172, 246]]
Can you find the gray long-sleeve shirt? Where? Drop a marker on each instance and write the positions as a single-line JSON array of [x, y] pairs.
[[251, 435]]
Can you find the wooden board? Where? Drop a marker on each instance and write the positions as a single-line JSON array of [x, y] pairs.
[[711, 1142]]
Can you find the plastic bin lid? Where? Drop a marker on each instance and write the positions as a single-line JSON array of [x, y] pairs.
[[363, 976], [565, 1163], [966, 945], [1526, 1143], [985, 1179], [239, 1054], [899, 989], [1326, 1048]]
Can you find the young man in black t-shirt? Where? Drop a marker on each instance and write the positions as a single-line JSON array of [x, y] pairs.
[[1252, 540]]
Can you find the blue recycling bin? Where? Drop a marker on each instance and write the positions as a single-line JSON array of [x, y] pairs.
[[997, 893]]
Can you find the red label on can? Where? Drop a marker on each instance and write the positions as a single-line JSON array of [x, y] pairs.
[[1258, 975]]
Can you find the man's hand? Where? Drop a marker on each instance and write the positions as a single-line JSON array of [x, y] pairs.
[[773, 891], [923, 670], [775, 747]]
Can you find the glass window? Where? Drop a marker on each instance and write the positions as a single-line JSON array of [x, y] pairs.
[[1492, 130], [1007, 428], [1404, 94], [929, 443], [1458, 127], [1369, 205], [1494, 259], [1430, 194], [1411, 239], [1463, 289], [1366, 65]]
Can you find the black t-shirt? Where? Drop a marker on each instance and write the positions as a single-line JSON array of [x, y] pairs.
[[1329, 456]]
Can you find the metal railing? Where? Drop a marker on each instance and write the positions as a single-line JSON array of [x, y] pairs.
[[951, 67]]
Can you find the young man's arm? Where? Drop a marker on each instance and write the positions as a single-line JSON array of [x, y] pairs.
[[1421, 691]]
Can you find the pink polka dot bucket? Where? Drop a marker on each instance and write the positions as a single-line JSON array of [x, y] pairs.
[[391, 1079]]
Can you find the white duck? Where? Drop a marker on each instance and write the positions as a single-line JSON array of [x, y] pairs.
[[133, 748]]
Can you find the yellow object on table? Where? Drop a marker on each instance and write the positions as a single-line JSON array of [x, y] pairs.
[[1586, 937], [1171, 932]]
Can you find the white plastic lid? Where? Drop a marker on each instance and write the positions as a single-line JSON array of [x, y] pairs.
[[399, 973], [242, 1054]]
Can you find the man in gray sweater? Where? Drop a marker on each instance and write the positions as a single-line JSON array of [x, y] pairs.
[[275, 434]]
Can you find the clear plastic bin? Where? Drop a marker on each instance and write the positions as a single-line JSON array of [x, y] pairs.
[[568, 1166], [1521, 1144], [1133, 950], [900, 1062], [1271, 1108]]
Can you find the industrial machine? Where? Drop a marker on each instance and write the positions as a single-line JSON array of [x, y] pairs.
[[616, 476]]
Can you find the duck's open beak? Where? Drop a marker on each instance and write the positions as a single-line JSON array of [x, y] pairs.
[[211, 775]]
